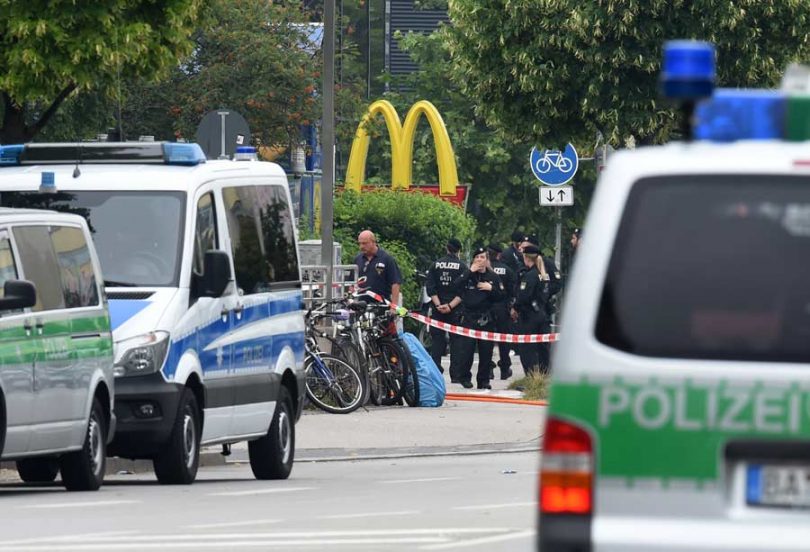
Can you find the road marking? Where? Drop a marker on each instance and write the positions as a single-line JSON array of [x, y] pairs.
[[495, 506], [423, 480], [370, 514], [77, 537], [481, 540], [231, 545], [233, 524], [262, 491], [82, 504]]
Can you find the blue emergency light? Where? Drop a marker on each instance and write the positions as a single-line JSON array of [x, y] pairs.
[[688, 71], [10, 155], [176, 153], [245, 153]]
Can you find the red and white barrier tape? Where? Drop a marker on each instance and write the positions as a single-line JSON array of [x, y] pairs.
[[469, 332]]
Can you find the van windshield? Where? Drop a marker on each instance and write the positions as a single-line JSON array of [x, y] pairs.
[[712, 267], [138, 235]]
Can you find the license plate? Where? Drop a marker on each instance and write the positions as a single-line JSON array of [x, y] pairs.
[[779, 486]]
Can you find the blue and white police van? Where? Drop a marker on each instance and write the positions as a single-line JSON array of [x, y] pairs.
[[201, 271]]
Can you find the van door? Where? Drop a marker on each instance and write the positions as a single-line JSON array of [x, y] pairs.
[[268, 280], [214, 351], [89, 346], [17, 349], [55, 383]]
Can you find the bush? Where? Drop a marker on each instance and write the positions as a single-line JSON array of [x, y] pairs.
[[534, 387], [412, 227]]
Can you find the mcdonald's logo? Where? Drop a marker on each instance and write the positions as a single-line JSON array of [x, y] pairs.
[[402, 138]]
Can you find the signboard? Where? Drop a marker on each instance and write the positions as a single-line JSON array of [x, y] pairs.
[[561, 196], [554, 167], [220, 132]]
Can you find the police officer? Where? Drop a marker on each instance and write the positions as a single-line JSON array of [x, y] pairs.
[[554, 287], [503, 322], [480, 290], [512, 257], [529, 310], [445, 298]]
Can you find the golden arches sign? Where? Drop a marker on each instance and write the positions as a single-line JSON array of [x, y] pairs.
[[402, 137]]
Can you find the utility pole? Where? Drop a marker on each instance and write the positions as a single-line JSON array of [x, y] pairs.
[[328, 161]]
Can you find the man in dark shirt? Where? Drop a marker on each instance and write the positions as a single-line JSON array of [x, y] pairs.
[[445, 298], [377, 271], [512, 257], [503, 323]]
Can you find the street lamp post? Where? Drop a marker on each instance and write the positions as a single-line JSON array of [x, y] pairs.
[[328, 146]]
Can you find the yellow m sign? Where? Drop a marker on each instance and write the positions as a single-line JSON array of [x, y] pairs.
[[402, 138]]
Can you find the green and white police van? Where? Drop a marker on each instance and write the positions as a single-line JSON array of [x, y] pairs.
[[56, 350], [679, 413], [200, 264]]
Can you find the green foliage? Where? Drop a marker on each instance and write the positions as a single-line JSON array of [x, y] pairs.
[[553, 71], [413, 227], [49, 49], [534, 387]]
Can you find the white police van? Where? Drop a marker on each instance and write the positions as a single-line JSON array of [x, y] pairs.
[[201, 271], [679, 414]]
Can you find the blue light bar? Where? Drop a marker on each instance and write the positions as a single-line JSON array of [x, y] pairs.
[[183, 154], [739, 114], [245, 153], [10, 155], [688, 71]]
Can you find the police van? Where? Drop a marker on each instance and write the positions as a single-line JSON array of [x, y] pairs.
[[201, 270], [679, 413]]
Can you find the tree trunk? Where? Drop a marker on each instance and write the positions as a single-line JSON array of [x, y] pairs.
[[14, 129]]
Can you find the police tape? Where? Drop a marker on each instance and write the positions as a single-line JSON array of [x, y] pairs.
[[467, 332]]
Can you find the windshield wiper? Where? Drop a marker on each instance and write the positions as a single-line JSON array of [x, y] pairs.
[[113, 283]]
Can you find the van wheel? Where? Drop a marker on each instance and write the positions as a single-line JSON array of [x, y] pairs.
[[272, 456], [38, 470], [83, 470], [178, 463]]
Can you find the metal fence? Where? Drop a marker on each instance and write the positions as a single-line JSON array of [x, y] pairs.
[[313, 281]]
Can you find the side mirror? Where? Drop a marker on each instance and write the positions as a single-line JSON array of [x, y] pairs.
[[216, 275], [18, 294]]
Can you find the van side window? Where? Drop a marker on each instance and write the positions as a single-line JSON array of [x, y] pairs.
[[205, 234], [262, 236], [8, 270], [75, 267], [278, 235], [40, 266]]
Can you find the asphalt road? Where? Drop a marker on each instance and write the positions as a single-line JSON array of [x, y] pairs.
[[481, 503]]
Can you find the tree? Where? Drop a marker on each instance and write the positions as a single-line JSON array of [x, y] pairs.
[[49, 50], [259, 58], [554, 71]]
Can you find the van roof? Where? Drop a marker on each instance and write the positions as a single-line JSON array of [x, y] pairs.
[[9, 215], [129, 176]]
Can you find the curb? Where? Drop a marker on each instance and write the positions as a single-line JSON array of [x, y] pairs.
[[492, 398], [413, 455]]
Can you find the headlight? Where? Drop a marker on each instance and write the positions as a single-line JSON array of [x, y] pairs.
[[143, 354]]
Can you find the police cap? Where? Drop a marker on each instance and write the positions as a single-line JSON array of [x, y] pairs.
[[531, 250], [454, 245], [478, 250], [532, 239], [517, 236], [495, 247]]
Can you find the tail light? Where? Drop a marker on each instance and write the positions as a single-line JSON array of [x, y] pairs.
[[566, 475]]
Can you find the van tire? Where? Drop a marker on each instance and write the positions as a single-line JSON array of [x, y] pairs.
[[38, 470], [272, 456], [178, 463], [83, 470]]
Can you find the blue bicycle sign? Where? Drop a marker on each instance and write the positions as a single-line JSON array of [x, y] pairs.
[[554, 167]]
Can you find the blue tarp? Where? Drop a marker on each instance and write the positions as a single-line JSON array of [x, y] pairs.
[[431, 382]]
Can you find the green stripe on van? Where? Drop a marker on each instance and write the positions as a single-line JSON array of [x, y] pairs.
[[657, 430]]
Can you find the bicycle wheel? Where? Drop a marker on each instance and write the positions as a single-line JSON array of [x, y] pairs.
[[352, 354], [404, 368], [332, 385], [385, 383]]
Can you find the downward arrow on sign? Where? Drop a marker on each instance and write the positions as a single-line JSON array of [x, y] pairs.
[[550, 196]]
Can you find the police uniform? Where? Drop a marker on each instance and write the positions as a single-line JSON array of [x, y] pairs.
[[503, 322], [554, 286], [530, 300], [440, 283], [377, 274], [512, 257], [477, 307]]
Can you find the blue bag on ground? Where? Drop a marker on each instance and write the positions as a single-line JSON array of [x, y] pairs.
[[431, 382]]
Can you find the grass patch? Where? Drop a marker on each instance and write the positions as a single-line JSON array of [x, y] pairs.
[[534, 387]]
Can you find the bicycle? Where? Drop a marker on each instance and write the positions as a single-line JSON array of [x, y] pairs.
[[331, 383], [553, 159], [392, 375]]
